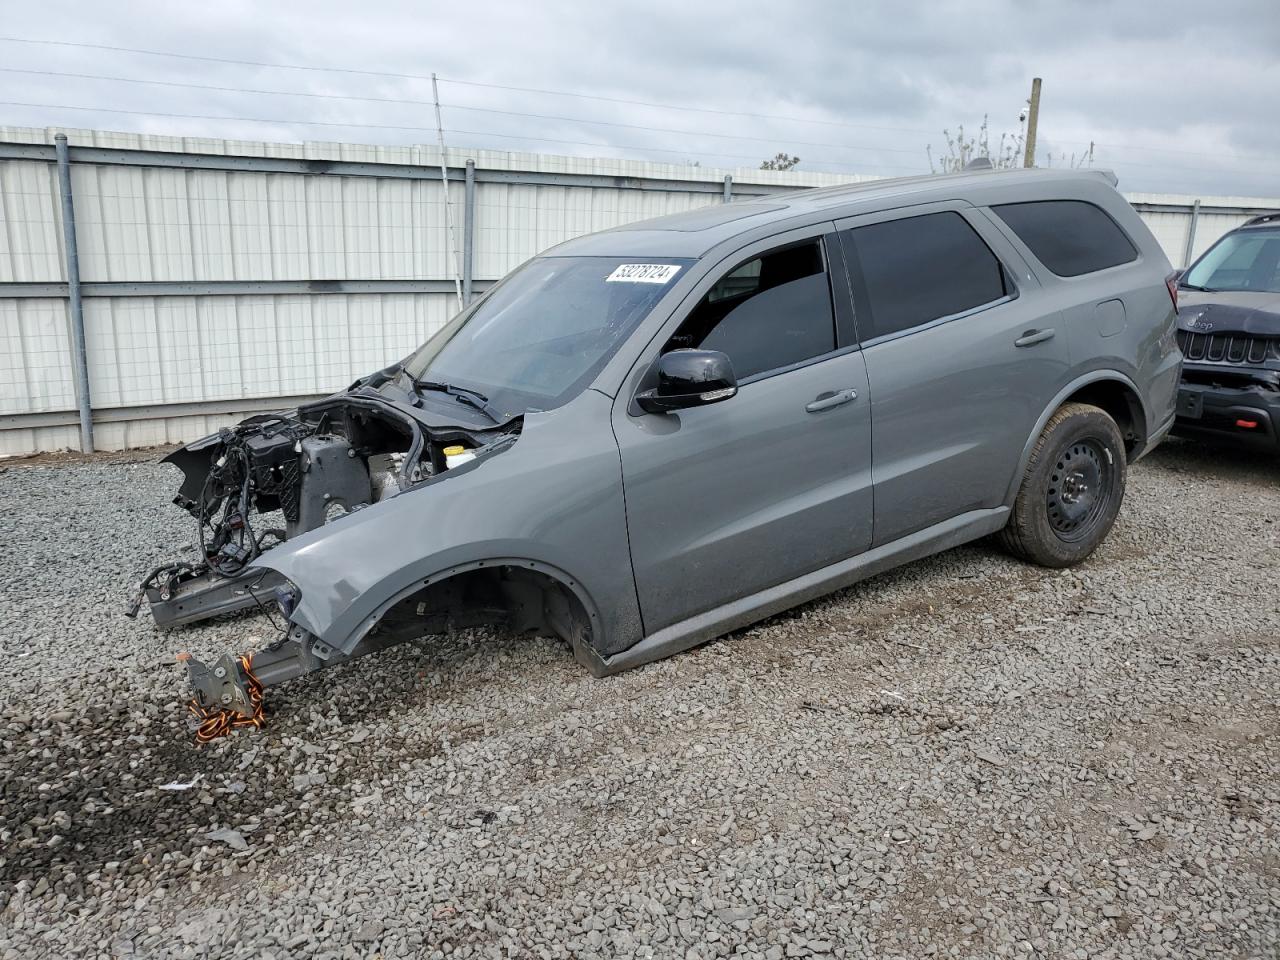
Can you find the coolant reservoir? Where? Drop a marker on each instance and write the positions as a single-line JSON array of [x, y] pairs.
[[456, 456]]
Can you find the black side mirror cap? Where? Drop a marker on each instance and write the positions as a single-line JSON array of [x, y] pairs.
[[689, 378]]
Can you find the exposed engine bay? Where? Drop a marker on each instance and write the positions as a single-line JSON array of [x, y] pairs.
[[312, 466], [272, 478]]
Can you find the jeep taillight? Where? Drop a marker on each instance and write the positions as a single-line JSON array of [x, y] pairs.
[[1171, 282]]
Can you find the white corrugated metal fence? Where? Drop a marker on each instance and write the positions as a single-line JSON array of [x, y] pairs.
[[225, 276]]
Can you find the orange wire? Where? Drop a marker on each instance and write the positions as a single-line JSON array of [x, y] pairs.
[[218, 722]]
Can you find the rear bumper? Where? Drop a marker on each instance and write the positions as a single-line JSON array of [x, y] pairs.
[[1225, 412]]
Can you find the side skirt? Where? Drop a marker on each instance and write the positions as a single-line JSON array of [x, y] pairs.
[[747, 610]]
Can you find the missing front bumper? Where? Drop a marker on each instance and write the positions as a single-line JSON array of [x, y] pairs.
[[233, 684], [201, 596]]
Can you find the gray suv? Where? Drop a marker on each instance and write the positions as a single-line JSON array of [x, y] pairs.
[[647, 437]]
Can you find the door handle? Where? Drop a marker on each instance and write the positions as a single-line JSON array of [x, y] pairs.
[[1032, 337], [836, 399]]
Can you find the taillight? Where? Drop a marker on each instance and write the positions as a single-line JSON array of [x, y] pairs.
[[1171, 283]]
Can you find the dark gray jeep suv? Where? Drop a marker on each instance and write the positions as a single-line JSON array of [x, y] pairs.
[[648, 437], [1229, 332]]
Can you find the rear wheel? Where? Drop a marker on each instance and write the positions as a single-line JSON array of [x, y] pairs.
[[1071, 490]]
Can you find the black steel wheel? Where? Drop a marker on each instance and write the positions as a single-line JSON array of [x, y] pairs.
[[1080, 485], [1071, 489]]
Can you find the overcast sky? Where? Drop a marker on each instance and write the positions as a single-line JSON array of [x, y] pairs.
[[1177, 97]]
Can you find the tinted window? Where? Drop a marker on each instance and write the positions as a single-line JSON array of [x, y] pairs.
[[908, 272], [767, 313], [1070, 237]]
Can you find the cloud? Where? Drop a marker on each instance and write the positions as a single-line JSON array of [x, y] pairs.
[[1173, 100]]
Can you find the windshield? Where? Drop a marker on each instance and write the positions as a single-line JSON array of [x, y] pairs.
[[1249, 260], [537, 339]]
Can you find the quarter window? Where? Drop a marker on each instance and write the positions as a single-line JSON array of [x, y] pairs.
[[919, 269], [770, 312], [1070, 237]]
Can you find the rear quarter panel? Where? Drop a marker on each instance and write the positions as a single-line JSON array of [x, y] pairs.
[[1119, 319]]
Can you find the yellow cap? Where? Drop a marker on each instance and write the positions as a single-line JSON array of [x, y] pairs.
[[454, 450]]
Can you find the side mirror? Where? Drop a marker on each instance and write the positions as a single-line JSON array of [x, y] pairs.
[[689, 378]]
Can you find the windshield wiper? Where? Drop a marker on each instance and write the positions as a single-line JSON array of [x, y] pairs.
[[1192, 286], [472, 398]]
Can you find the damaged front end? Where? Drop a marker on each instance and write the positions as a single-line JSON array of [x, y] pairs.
[[1230, 386], [270, 479]]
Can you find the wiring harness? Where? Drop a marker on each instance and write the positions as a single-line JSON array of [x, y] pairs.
[[217, 722], [227, 544]]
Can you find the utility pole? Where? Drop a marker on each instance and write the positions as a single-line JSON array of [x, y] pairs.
[[444, 183], [1033, 115], [80, 355]]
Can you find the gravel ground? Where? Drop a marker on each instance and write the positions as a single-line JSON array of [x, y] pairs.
[[963, 758]]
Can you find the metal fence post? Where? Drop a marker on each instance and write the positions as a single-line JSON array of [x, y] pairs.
[[468, 232], [1191, 234], [80, 355], [728, 188]]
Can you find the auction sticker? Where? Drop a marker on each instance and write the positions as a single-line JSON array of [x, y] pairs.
[[643, 273]]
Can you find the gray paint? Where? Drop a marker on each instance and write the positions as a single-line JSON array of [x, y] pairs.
[[553, 498], [1110, 317], [732, 498], [748, 609], [954, 397], [674, 527]]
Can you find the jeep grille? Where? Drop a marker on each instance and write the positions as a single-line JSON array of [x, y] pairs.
[[1227, 347]]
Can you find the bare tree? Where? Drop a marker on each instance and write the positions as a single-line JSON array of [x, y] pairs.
[[1007, 152], [961, 149], [1073, 162], [780, 162]]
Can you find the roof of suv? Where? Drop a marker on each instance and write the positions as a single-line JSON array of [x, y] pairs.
[[693, 233], [1266, 220]]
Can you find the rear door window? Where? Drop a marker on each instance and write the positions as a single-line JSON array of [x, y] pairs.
[[1070, 237], [913, 271], [772, 311]]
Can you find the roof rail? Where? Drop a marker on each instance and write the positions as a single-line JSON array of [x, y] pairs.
[[1265, 218]]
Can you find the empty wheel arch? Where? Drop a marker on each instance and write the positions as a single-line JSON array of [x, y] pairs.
[[523, 596]]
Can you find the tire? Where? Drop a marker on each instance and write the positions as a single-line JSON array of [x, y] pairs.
[[1071, 490]]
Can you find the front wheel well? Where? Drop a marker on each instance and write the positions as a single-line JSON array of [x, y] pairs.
[[520, 596], [1121, 403]]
